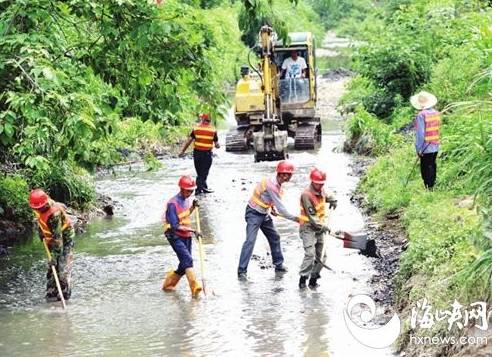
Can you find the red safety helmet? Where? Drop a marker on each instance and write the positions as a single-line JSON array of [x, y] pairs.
[[204, 116], [285, 167], [187, 183], [317, 176], [38, 199]]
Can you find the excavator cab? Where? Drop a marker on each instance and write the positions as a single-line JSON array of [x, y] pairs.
[[298, 96], [270, 107]]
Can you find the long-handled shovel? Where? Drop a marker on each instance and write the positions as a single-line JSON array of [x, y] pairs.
[[55, 275], [413, 167], [200, 251], [320, 261], [358, 241]]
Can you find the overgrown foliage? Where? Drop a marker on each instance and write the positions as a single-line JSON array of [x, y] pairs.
[[72, 71], [283, 16], [443, 48]]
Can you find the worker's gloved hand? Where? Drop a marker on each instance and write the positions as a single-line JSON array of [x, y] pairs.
[[332, 204], [338, 234], [274, 212], [195, 203], [51, 263], [198, 235], [325, 229]]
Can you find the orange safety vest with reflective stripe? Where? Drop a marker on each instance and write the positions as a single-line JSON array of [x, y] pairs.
[[184, 217], [43, 218], [319, 203], [204, 137], [261, 187], [432, 125]]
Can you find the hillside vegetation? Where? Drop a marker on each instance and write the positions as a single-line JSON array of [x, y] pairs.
[[443, 47]]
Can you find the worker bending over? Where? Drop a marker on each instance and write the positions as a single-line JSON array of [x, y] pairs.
[[266, 199], [312, 227]]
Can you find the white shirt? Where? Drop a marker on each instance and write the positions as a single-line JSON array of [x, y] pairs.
[[294, 68]]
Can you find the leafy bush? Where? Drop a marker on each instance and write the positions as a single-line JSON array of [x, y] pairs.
[[65, 183], [368, 135], [14, 194], [283, 16], [396, 69]]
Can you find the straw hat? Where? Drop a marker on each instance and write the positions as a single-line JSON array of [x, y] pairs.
[[423, 100]]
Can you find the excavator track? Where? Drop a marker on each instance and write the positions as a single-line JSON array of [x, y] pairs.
[[308, 137], [236, 140]]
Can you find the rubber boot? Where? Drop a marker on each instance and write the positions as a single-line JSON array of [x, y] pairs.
[[172, 279], [195, 286], [302, 282], [312, 283]]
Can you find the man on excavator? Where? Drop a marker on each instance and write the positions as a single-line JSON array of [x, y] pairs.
[[312, 227], [178, 231], [266, 198], [57, 231], [205, 138], [294, 66]]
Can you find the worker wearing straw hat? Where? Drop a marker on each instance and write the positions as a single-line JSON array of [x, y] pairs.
[[427, 128]]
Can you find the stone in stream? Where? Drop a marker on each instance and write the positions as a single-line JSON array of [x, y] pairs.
[[3, 251]]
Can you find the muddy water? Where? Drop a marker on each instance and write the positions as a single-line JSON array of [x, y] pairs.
[[118, 309]]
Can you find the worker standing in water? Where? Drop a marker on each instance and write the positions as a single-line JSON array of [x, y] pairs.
[[56, 229], [312, 227], [204, 138], [179, 233], [266, 199]]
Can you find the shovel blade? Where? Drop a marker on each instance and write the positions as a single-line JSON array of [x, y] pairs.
[[355, 240]]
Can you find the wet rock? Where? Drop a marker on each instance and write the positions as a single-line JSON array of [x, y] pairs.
[[393, 215], [108, 210], [3, 251], [337, 73]]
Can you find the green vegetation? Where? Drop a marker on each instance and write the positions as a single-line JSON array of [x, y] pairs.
[[82, 81], [13, 200], [83, 84], [442, 47], [283, 16]]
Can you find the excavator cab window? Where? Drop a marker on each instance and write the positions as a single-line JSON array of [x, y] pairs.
[[293, 90], [281, 55]]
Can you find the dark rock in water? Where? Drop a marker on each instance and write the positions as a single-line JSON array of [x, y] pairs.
[[125, 152], [338, 73], [108, 210], [3, 251]]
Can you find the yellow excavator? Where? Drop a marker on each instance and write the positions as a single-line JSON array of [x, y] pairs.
[[269, 107]]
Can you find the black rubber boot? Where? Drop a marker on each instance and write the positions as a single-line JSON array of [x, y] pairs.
[[312, 283], [302, 282]]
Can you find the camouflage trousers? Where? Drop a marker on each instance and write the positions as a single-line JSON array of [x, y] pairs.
[[63, 259], [313, 243]]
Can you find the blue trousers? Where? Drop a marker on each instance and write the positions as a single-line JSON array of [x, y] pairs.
[[182, 248], [254, 222]]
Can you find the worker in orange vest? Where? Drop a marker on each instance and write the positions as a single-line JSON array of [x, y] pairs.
[[266, 199], [427, 127], [57, 230], [204, 138], [178, 231], [312, 227]]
